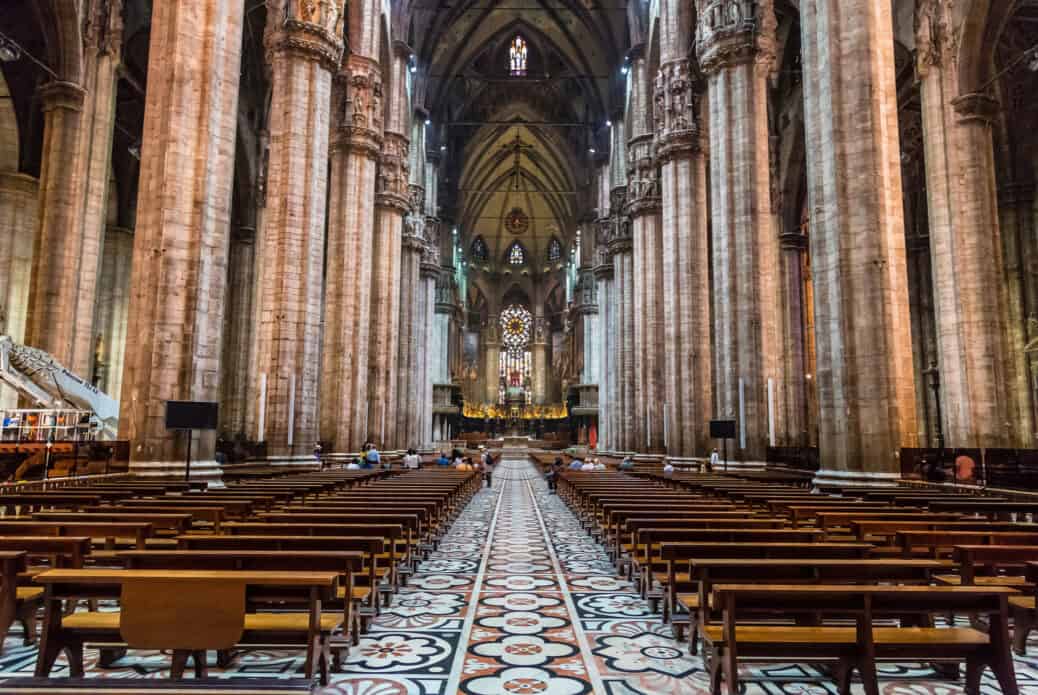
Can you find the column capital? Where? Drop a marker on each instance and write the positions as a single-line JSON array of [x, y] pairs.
[[428, 271], [676, 106], [735, 32], [359, 115], [391, 186], [643, 190], [62, 95], [976, 107], [311, 30]]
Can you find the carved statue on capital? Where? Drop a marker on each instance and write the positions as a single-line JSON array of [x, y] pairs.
[[732, 32], [643, 186], [359, 114], [309, 27], [393, 170], [935, 38], [676, 100], [102, 28]]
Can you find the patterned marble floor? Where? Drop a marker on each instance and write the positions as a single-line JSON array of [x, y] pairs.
[[519, 599]]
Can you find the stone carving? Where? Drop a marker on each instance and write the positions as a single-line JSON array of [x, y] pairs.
[[362, 108], [310, 27], [102, 28], [676, 109], [935, 39], [391, 185], [643, 192], [730, 32]]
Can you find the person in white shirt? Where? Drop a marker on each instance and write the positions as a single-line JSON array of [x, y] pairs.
[[588, 466], [411, 460], [599, 466], [668, 470], [353, 465], [715, 459]]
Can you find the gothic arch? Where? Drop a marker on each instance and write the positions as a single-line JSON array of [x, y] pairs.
[[983, 23]]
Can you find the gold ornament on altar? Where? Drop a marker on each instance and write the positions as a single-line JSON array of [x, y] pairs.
[[493, 411]]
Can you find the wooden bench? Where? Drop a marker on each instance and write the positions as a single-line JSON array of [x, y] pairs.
[[185, 611], [856, 647], [117, 686], [680, 591]]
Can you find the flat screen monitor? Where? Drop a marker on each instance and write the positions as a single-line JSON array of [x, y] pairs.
[[192, 415]]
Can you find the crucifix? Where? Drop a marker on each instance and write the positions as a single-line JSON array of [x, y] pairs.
[[517, 148]]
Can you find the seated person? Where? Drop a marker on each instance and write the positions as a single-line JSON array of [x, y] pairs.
[[627, 464], [443, 460], [576, 464], [668, 470], [588, 466], [599, 466], [464, 465], [353, 465]]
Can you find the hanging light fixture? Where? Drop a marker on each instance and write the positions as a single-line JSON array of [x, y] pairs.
[[9, 50]]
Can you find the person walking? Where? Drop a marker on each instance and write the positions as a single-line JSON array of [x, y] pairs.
[[488, 469], [715, 460]]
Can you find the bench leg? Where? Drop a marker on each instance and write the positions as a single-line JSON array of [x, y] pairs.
[[224, 658], [693, 634], [27, 617], [713, 664], [731, 671], [201, 666], [1022, 626], [48, 654], [869, 676], [842, 674], [74, 652], [177, 664], [974, 670]]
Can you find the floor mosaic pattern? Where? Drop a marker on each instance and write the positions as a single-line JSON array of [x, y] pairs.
[[519, 599]]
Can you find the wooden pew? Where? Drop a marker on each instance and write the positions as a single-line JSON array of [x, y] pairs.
[[110, 531], [680, 591], [1025, 610], [938, 543], [861, 646], [249, 685], [185, 611], [371, 547], [347, 563]]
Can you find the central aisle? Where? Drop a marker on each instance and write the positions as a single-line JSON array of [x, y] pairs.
[[518, 599]]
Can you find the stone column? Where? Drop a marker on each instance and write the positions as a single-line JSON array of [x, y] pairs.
[[620, 248], [606, 376], [303, 46], [539, 360], [77, 153], [356, 148], [492, 355], [866, 392], [238, 331], [643, 206], [428, 350], [183, 217], [391, 204], [793, 392], [113, 304], [737, 54], [688, 367], [965, 241], [410, 334], [441, 373], [18, 224]]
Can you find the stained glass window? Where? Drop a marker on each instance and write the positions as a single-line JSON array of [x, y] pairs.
[[554, 250], [516, 363], [516, 255], [479, 250], [517, 57], [516, 324]]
